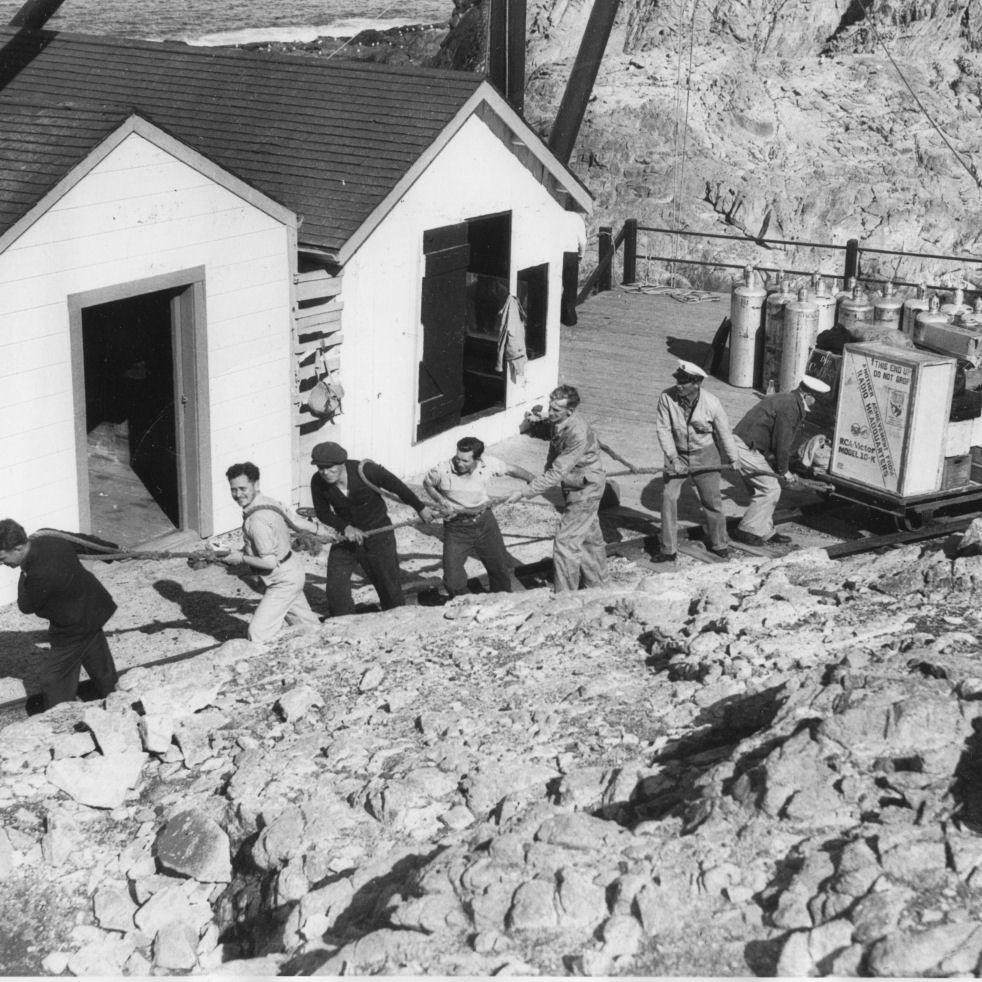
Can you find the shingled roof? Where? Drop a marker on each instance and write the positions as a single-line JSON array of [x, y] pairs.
[[329, 139]]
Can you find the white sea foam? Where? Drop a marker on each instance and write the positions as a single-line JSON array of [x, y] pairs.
[[346, 28]]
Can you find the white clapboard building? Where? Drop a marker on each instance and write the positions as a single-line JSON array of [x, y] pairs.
[[190, 237]]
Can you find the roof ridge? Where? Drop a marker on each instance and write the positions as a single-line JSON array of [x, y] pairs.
[[234, 52]]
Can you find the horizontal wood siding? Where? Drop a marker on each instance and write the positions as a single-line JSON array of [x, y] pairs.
[[141, 213]]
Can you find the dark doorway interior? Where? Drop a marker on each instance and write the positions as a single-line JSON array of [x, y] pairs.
[[488, 273], [128, 350], [533, 295]]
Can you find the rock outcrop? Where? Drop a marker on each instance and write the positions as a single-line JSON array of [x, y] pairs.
[[760, 767]]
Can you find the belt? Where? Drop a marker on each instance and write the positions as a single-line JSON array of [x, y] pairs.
[[289, 555], [465, 519]]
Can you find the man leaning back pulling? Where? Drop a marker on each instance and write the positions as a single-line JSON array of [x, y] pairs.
[[54, 585], [346, 497]]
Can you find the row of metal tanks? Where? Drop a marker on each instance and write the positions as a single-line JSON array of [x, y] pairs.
[[773, 328]]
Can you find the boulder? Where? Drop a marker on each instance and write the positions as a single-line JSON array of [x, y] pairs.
[[175, 946], [99, 782], [114, 733], [297, 702], [193, 844], [114, 908]]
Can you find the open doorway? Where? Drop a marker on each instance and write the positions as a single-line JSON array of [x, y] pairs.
[[130, 423], [488, 279], [137, 412]]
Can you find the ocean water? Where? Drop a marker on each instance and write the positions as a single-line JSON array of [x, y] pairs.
[[237, 21]]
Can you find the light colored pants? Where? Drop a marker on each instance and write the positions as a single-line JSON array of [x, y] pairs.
[[708, 493], [283, 600], [578, 549], [758, 519]]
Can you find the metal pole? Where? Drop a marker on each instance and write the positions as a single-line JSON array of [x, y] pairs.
[[852, 259], [605, 235], [630, 252], [562, 139]]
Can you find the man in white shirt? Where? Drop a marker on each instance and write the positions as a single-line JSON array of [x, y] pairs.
[[460, 487], [268, 551]]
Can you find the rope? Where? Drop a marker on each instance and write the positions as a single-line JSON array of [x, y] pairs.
[[969, 167]]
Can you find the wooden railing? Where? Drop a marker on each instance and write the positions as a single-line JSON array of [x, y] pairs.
[[602, 277]]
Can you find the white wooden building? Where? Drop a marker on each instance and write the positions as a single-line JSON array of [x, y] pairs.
[[186, 234]]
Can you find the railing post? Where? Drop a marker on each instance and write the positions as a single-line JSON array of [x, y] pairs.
[[605, 235], [630, 252], [852, 260]]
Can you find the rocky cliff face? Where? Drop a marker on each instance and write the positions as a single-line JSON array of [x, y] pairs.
[[755, 117]]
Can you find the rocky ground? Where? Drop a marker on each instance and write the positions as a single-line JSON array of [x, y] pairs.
[[767, 765]]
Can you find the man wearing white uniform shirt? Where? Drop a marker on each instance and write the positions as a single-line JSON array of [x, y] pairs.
[[460, 486]]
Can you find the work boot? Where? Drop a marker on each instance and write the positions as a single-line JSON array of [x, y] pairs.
[[779, 539], [747, 538], [665, 557]]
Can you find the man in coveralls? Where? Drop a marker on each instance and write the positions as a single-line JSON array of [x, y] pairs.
[[268, 551], [460, 486], [765, 438], [691, 427], [346, 497], [54, 585], [573, 463]]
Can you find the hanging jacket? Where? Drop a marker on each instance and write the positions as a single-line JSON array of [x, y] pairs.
[[511, 339]]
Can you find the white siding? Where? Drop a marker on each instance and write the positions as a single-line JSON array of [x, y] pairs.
[[474, 175], [140, 213]]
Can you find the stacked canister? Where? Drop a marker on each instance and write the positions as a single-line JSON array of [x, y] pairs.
[[746, 328], [774, 328], [801, 327]]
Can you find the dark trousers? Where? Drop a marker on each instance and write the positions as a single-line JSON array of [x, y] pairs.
[[59, 679], [480, 536], [379, 560]]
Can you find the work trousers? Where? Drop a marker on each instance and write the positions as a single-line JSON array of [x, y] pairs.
[[283, 599], [765, 487], [59, 677], [707, 487], [578, 549], [480, 536], [379, 560]]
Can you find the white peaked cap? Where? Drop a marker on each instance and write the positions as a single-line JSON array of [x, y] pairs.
[[815, 384], [690, 368]]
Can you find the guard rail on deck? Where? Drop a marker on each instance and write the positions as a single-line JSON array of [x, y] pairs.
[[602, 277]]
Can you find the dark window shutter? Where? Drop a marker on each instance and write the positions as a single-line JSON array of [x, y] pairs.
[[443, 312]]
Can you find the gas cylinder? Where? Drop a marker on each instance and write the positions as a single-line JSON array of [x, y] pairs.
[[801, 323], [957, 304], [912, 307], [855, 310], [844, 294], [822, 297], [774, 334], [746, 328], [929, 319], [887, 307]]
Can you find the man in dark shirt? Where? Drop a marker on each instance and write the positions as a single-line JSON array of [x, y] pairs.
[[765, 438], [54, 585], [346, 496]]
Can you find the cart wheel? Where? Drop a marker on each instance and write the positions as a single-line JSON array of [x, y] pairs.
[[910, 522]]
